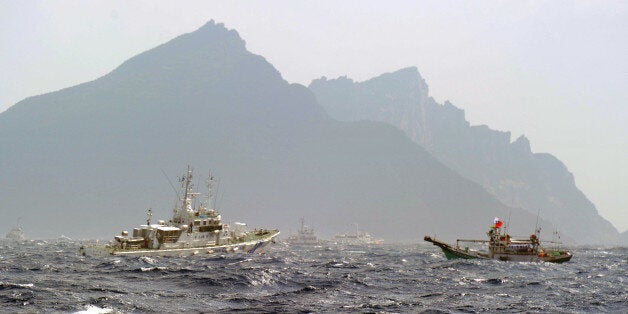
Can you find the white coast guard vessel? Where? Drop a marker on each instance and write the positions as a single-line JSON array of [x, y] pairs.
[[304, 236], [357, 238], [16, 234], [192, 230]]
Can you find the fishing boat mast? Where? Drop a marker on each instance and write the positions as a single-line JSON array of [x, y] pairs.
[[537, 229]]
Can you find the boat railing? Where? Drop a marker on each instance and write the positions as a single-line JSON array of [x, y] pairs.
[[458, 241], [469, 240]]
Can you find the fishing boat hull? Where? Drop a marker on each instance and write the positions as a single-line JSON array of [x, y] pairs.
[[559, 257], [252, 246], [452, 252]]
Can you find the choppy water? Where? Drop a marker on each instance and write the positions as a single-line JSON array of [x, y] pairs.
[[38, 276]]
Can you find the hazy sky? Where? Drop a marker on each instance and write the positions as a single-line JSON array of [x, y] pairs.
[[556, 71]]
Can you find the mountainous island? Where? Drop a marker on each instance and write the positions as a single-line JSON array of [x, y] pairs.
[[89, 160], [509, 171]]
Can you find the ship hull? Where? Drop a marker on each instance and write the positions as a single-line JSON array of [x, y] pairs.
[[303, 243], [558, 259], [16, 234], [249, 247], [453, 253]]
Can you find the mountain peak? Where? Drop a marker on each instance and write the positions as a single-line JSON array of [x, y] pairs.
[[522, 144], [217, 32], [211, 24], [406, 81], [411, 72], [211, 54]]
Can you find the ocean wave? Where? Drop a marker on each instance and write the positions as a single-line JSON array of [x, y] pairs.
[[386, 278], [10, 285]]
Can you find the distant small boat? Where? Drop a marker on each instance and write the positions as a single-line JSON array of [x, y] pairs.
[[304, 236], [16, 233], [504, 248]]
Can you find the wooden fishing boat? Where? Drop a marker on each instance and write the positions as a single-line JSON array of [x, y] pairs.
[[504, 248]]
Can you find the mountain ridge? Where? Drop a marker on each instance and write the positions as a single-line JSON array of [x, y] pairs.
[[509, 170]]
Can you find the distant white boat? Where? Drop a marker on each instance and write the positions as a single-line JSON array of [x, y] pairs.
[[64, 238], [305, 236], [358, 238], [16, 234]]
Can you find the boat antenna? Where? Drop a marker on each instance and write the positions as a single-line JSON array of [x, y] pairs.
[[171, 185], [216, 193], [302, 224], [149, 214], [219, 203], [187, 182], [216, 200], [556, 235], [198, 183], [508, 220], [537, 229], [210, 180]]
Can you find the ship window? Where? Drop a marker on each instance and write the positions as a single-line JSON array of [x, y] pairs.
[[197, 222]]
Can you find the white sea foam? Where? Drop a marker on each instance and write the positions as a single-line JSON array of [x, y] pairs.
[[92, 309]]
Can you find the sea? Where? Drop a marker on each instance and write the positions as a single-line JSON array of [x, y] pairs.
[[49, 276]]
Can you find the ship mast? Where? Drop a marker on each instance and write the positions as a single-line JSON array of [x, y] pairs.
[[537, 229], [186, 190], [188, 195], [210, 195], [149, 214]]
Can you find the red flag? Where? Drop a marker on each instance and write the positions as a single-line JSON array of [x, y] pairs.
[[498, 223]]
